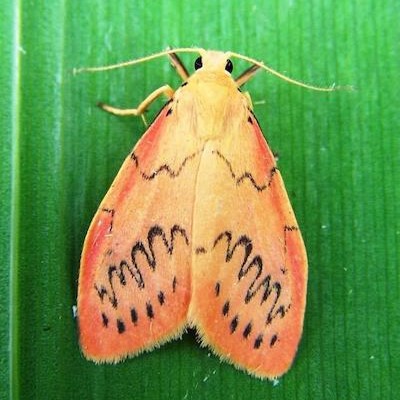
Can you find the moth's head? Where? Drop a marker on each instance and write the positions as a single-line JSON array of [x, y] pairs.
[[213, 61]]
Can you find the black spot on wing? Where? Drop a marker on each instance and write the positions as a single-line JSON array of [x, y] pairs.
[[274, 338], [104, 319], [134, 315], [234, 323], [247, 330], [258, 341], [161, 298], [120, 326], [217, 289], [174, 283], [149, 310], [225, 309], [200, 250]]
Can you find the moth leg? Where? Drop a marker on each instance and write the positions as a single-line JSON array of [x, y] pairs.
[[246, 75], [142, 107], [180, 68]]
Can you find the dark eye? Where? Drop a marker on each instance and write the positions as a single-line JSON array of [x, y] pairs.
[[198, 63], [229, 66]]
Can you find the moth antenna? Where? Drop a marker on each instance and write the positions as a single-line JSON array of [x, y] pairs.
[[286, 78], [169, 51], [137, 60]]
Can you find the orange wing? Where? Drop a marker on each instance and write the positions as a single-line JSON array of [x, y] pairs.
[[249, 270], [197, 228], [134, 283]]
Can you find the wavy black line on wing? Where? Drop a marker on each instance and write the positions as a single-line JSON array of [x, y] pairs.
[[247, 175], [164, 167], [175, 173], [262, 282], [118, 273]]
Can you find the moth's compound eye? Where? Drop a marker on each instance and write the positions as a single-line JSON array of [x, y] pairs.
[[198, 63], [229, 66]]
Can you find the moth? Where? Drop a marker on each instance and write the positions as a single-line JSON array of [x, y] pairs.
[[196, 231]]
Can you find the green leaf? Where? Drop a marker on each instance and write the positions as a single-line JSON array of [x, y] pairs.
[[339, 154]]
